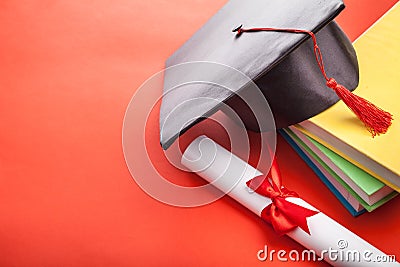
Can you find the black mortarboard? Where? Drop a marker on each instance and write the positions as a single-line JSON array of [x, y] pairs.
[[282, 65]]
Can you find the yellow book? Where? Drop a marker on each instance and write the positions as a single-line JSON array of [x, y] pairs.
[[378, 51]]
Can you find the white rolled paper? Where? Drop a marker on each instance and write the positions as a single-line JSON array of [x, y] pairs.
[[328, 239]]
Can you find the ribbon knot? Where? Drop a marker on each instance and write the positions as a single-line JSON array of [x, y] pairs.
[[283, 215], [331, 83]]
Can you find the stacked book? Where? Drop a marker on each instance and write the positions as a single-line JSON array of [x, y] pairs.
[[362, 171]]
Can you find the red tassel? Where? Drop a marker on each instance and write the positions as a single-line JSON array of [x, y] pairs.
[[376, 120]]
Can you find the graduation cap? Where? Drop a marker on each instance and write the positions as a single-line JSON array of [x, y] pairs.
[[292, 61]]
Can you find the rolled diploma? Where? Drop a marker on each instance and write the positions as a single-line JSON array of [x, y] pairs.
[[229, 174]]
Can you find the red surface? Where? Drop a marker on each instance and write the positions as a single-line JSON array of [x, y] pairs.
[[68, 70]]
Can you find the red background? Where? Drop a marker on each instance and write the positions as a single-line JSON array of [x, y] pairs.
[[68, 70]]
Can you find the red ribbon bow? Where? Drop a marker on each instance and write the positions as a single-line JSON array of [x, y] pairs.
[[282, 214]]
